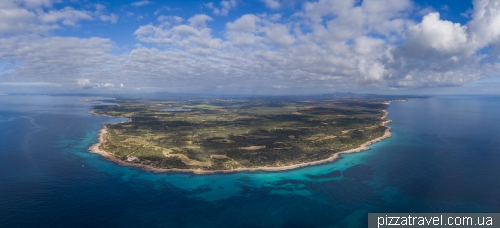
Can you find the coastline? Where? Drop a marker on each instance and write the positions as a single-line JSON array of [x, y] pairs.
[[95, 149]]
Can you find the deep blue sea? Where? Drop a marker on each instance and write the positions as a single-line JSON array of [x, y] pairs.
[[444, 156]]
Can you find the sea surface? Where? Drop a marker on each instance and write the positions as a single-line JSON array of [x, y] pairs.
[[444, 156]]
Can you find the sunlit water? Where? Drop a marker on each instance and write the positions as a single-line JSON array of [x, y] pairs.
[[444, 156]]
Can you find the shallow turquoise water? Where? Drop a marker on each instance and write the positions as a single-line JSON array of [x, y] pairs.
[[443, 157]]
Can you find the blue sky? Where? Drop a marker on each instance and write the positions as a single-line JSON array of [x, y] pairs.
[[250, 47]]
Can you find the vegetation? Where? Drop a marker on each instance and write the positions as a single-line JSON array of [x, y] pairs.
[[223, 134]]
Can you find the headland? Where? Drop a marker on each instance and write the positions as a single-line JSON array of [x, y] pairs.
[[218, 137]]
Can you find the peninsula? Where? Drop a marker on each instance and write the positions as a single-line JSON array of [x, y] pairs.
[[225, 135]]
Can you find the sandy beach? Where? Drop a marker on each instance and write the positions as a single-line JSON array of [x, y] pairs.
[[95, 149]]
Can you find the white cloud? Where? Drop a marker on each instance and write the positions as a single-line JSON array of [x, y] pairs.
[[100, 10], [29, 84], [273, 4], [113, 18], [57, 59], [33, 4], [245, 23], [107, 84], [141, 3], [193, 37], [67, 15], [226, 5], [176, 19], [484, 27], [250, 28], [435, 34], [84, 83], [100, 7], [37, 16], [199, 20], [438, 52], [278, 34], [365, 45], [467, 13], [14, 20]]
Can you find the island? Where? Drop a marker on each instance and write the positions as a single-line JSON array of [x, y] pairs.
[[207, 135]]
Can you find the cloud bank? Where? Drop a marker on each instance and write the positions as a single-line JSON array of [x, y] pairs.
[[325, 46]]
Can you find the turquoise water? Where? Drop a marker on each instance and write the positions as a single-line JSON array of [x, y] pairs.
[[443, 157]]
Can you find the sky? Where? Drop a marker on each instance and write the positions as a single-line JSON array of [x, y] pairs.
[[250, 47]]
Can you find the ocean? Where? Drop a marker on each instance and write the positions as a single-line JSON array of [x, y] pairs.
[[444, 156]]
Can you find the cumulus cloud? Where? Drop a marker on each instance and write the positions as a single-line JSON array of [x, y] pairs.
[[109, 85], [242, 30], [85, 83], [250, 29], [194, 34], [273, 4], [38, 16], [67, 16], [432, 46], [225, 6], [439, 52], [246, 22]]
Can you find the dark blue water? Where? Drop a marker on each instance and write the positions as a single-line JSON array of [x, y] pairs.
[[444, 157]]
